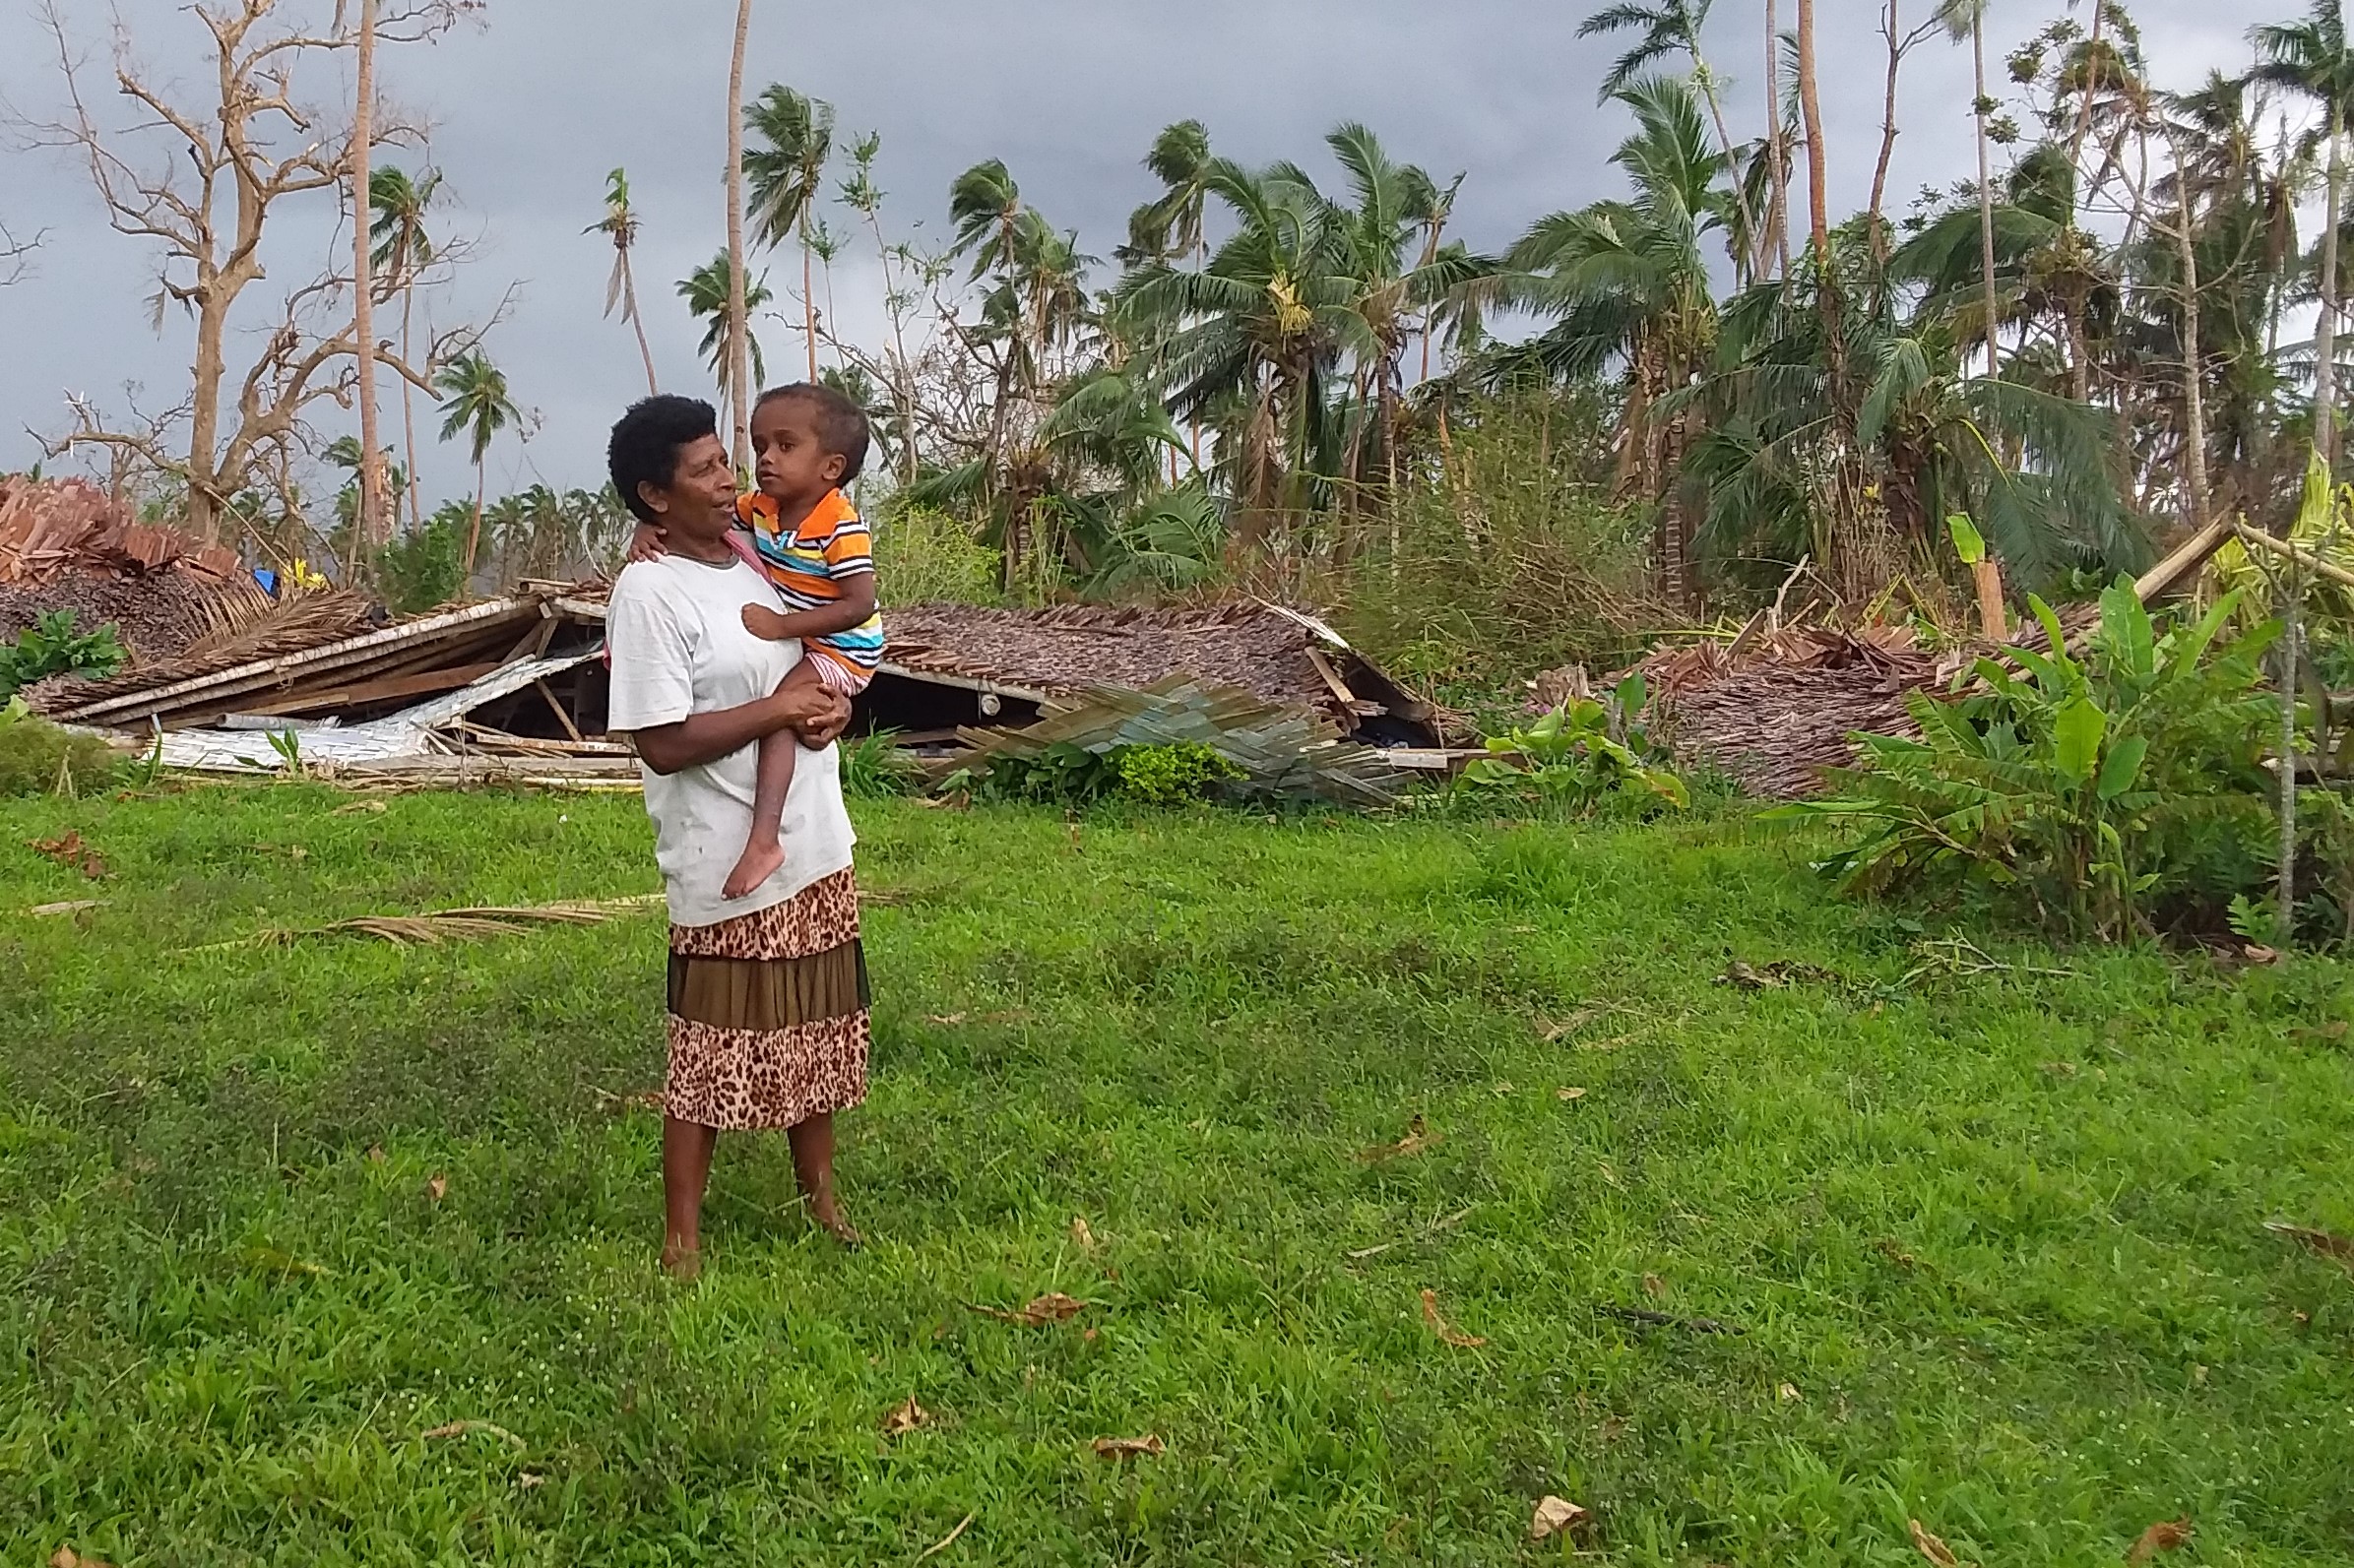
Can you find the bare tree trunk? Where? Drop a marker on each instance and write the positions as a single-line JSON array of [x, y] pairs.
[[416, 517], [2284, 897], [629, 296], [1985, 188], [809, 298], [1818, 219], [1724, 138], [473, 529], [740, 341], [1779, 143], [1887, 139], [2194, 416], [2325, 340], [364, 297]]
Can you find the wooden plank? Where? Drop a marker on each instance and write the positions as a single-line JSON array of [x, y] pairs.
[[562, 717], [427, 684]]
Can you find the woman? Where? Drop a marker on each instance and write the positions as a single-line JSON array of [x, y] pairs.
[[767, 992]]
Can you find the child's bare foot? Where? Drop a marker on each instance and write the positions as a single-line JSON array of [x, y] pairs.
[[681, 1261], [765, 624], [760, 862]]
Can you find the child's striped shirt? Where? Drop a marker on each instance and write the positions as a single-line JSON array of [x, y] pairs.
[[808, 567]]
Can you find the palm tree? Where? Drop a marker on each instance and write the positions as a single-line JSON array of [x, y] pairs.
[[785, 172], [1171, 228], [475, 405], [2311, 58], [1253, 337], [620, 226], [403, 250], [1667, 27], [1627, 283], [708, 292], [739, 311], [1966, 19]]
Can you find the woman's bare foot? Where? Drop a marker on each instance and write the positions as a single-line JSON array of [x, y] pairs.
[[766, 624], [681, 1261], [760, 862], [828, 1215]]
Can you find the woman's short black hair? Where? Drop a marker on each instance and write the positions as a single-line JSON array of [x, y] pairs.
[[647, 441], [842, 425]]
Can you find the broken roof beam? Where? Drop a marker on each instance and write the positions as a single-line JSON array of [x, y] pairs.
[[131, 708]]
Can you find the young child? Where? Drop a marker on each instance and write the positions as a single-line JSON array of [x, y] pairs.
[[800, 530]]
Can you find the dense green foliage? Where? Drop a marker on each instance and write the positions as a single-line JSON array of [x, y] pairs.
[[51, 647], [1994, 1235], [1581, 753]]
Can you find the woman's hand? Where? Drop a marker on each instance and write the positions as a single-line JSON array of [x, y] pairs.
[[821, 730]]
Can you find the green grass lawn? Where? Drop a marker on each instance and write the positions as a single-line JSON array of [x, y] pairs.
[[1994, 1242]]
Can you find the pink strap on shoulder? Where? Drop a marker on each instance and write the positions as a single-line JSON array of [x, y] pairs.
[[742, 544]]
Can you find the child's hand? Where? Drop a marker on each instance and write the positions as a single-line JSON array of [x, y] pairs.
[[646, 544]]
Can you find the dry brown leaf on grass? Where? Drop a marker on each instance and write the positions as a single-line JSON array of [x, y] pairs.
[[2167, 1535], [1936, 1551], [1568, 1094], [2321, 1241], [486, 1428], [66, 1557], [2321, 1033], [360, 808], [1149, 1446], [905, 1419], [1447, 1335], [1654, 1286], [72, 854], [1417, 1138], [1081, 1235], [439, 1188], [1053, 1307], [376, 1155], [1554, 1516]]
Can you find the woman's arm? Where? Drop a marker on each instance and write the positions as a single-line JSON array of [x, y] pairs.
[[815, 713]]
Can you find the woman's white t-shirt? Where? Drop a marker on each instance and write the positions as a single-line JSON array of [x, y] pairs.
[[675, 629]]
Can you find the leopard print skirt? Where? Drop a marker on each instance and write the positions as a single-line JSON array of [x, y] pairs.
[[767, 1023]]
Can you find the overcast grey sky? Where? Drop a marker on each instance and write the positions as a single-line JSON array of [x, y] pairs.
[[531, 108]]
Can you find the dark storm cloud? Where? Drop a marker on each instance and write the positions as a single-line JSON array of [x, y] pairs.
[[531, 109]]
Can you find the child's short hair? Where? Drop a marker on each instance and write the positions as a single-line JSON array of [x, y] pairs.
[[842, 425], [646, 442]]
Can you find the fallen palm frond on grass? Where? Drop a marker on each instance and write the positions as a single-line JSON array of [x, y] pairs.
[[449, 925]]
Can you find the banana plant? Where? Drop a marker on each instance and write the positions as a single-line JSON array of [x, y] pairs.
[[2094, 785]]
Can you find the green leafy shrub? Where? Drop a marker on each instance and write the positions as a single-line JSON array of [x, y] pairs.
[[873, 767], [50, 647], [925, 556], [1182, 775], [2115, 792], [425, 568], [1066, 775], [36, 757], [1578, 755]]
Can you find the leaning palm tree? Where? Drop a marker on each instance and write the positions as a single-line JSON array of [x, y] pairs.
[[2311, 58], [785, 172], [620, 226], [402, 251], [475, 405], [1966, 19], [1667, 27], [707, 292], [1171, 228]]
